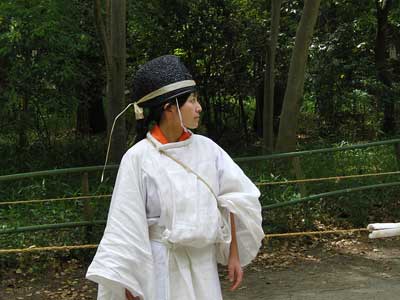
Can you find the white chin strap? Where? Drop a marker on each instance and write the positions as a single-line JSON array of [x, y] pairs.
[[180, 116]]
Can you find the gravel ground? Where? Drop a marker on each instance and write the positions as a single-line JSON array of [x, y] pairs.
[[347, 268]]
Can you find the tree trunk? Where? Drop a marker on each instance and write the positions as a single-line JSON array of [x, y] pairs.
[[97, 120], [90, 116], [269, 79], [383, 72], [103, 33], [294, 88], [257, 121], [117, 88], [82, 122], [112, 31]]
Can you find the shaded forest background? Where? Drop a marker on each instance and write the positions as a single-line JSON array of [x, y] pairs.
[[53, 74], [55, 105]]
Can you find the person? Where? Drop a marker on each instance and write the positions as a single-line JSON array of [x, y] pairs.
[[180, 204]]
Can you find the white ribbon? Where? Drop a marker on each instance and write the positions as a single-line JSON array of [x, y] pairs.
[[167, 88]]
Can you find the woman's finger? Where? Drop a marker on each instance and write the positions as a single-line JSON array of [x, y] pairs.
[[238, 279], [231, 273]]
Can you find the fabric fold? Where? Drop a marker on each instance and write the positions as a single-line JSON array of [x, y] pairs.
[[383, 233], [382, 230], [124, 258], [379, 226], [239, 196]]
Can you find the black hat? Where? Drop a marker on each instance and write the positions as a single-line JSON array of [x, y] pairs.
[[161, 79]]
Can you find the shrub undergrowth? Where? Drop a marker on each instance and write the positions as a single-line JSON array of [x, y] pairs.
[[348, 210]]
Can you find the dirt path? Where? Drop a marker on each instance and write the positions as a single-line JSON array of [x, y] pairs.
[[333, 269], [344, 269]]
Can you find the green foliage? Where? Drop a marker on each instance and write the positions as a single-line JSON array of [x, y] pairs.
[[41, 51], [52, 73], [12, 216], [55, 70], [343, 53], [355, 209], [216, 39]]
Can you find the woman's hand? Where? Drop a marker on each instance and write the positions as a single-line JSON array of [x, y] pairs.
[[235, 272], [129, 296]]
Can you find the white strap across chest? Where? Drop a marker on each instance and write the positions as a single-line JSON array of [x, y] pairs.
[[187, 168]]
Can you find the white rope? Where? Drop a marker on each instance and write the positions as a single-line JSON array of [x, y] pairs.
[[109, 140]]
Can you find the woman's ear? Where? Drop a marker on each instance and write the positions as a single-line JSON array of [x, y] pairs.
[[167, 106]]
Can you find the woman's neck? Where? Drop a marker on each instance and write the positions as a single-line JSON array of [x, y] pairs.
[[171, 131]]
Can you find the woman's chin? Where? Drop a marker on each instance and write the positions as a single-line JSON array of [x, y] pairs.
[[193, 126]]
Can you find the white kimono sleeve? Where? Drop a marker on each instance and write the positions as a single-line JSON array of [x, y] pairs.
[[123, 258], [238, 195]]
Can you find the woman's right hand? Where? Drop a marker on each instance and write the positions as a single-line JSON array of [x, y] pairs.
[[129, 296]]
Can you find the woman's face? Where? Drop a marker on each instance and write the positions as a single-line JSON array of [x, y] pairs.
[[191, 112]]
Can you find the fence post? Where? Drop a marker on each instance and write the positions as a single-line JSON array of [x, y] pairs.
[[299, 174], [87, 207]]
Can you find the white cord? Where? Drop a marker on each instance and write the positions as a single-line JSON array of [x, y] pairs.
[[180, 115], [109, 140], [112, 130]]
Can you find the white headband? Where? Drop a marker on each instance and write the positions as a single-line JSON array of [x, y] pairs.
[[161, 91], [165, 89]]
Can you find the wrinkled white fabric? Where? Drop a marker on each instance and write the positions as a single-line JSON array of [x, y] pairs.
[[384, 233], [380, 226], [382, 230], [197, 227]]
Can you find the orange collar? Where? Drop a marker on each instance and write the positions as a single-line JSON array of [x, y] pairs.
[[159, 135]]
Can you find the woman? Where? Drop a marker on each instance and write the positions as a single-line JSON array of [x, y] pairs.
[[180, 204]]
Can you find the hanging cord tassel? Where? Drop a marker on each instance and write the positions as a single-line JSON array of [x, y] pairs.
[[111, 133], [139, 115]]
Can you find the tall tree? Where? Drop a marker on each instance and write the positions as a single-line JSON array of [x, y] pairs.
[[269, 78], [382, 67], [112, 30], [295, 85]]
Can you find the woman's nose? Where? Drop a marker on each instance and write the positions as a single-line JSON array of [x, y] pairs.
[[199, 108]]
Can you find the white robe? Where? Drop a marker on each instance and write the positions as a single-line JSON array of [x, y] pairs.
[[153, 189]]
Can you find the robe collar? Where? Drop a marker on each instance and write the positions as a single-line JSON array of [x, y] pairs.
[[159, 135], [161, 141]]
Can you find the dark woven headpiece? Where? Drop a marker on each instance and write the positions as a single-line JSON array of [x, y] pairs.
[[161, 79]]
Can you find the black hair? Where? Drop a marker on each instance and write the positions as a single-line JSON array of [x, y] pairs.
[[154, 116]]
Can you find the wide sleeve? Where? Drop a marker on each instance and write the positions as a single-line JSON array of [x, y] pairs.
[[239, 196], [123, 258]]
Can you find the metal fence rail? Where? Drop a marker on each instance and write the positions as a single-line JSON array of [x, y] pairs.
[[89, 218], [239, 159]]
